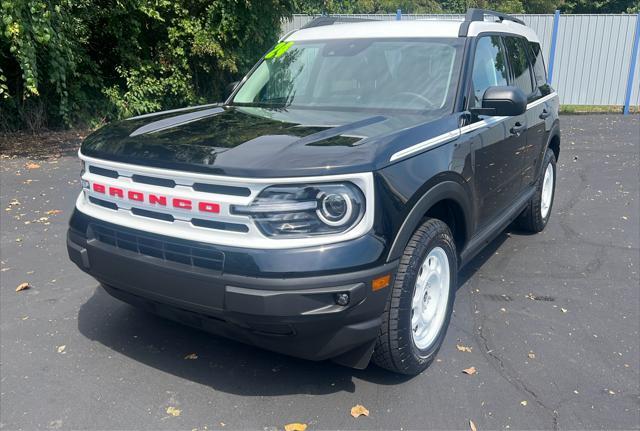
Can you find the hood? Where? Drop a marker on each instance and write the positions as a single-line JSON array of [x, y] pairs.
[[251, 141]]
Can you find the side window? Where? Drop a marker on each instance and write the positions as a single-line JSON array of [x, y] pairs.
[[517, 52], [539, 70], [489, 68]]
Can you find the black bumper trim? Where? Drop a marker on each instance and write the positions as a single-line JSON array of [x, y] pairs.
[[292, 315], [278, 303]]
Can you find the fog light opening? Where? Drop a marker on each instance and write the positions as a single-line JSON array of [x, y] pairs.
[[342, 299]]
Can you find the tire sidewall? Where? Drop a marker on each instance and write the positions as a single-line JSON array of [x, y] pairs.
[[549, 158], [444, 240]]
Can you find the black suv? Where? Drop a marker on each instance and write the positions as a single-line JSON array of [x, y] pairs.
[[324, 210]]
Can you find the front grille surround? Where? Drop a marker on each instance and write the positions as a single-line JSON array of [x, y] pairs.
[[213, 223]]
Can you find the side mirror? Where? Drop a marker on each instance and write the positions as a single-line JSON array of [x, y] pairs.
[[503, 102], [230, 87]]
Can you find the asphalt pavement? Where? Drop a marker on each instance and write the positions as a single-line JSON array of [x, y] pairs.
[[551, 322]]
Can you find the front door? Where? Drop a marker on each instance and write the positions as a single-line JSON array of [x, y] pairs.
[[497, 144]]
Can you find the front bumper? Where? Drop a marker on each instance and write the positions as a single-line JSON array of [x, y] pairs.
[[291, 312]]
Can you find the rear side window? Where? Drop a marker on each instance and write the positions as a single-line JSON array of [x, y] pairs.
[[489, 68], [539, 70], [517, 53], [538, 64]]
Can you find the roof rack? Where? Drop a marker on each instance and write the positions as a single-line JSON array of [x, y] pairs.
[[331, 20], [474, 15]]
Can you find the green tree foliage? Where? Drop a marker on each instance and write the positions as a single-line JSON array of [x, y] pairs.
[[64, 62], [38, 57], [601, 6], [73, 62], [426, 6], [368, 6]]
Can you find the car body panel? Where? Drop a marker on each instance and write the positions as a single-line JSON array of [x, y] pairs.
[[258, 142]]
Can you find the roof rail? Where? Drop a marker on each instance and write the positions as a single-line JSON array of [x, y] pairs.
[[474, 15], [331, 20]]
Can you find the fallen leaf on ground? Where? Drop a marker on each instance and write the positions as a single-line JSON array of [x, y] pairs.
[[531, 355], [173, 411], [470, 371], [53, 212], [32, 165], [472, 426], [462, 348], [23, 286], [359, 410], [296, 426], [14, 203], [523, 403], [564, 310], [62, 348], [191, 356]]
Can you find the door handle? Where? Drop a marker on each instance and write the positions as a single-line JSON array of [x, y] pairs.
[[517, 128], [544, 114]]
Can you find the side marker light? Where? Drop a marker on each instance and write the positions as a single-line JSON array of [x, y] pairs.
[[381, 282]]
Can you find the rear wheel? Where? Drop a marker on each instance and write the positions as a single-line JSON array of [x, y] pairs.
[[419, 308], [535, 217]]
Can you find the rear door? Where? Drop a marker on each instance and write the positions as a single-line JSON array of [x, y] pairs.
[[522, 77], [496, 145], [539, 115]]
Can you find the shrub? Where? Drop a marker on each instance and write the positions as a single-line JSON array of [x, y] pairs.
[[65, 62]]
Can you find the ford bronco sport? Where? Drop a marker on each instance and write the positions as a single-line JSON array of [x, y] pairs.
[[324, 210]]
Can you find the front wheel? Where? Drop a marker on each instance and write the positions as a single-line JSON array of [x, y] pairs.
[[536, 215], [419, 308]]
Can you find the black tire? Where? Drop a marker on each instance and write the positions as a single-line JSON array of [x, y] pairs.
[[531, 219], [395, 349]]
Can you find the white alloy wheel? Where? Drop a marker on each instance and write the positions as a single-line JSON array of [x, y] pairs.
[[430, 297], [547, 191]]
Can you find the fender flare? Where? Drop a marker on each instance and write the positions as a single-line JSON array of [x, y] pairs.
[[444, 190], [553, 132]]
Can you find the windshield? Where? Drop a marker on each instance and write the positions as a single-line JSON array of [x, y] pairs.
[[370, 74]]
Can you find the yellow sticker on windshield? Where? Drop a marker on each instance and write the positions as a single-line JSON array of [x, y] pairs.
[[279, 50]]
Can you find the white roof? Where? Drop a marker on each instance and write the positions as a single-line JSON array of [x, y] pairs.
[[407, 29]]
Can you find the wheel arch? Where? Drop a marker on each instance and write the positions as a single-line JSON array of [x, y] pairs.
[[553, 142], [447, 201]]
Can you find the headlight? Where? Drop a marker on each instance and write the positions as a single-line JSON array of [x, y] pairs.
[[306, 209]]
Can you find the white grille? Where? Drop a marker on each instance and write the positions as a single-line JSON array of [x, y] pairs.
[[154, 200]]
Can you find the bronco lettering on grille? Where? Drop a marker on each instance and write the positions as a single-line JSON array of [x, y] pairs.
[[156, 200]]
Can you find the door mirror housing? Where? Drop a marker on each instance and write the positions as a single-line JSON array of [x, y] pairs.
[[503, 101]]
